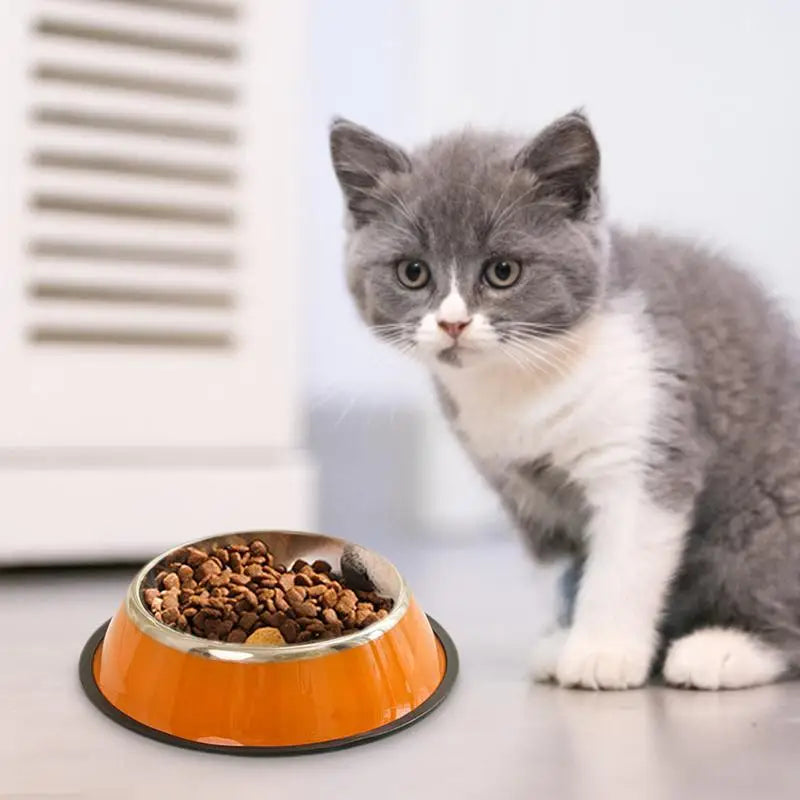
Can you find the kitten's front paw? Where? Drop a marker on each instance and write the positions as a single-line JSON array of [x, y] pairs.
[[595, 662], [546, 653]]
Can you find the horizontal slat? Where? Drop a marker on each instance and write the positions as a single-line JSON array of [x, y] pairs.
[[195, 12], [65, 253], [164, 338], [81, 163], [131, 104], [136, 39], [139, 62], [61, 117], [153, 211], [128, 232], [136, 82], [69, 291]]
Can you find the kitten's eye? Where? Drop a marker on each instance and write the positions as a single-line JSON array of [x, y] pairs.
[[502, 273], [413, 274]]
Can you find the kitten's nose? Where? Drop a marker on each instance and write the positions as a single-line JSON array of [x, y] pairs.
[[454, 329]]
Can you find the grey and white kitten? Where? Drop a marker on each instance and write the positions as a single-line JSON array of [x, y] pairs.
[[633, 399]]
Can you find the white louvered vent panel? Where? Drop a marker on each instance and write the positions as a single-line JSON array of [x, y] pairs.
[[133, 174], [150, 223], [149, 273]]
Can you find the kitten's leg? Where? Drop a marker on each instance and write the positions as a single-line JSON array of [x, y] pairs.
[[634, 550], [548, 647], [722, 658]]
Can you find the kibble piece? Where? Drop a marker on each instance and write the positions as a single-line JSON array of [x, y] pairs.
[[258, 548], [349, 597], [170, 600], [206, 570], [170, 615], [315, 626], [329, 615], [253, 570], [237, 636], [290, 630], [266, 636], [150, 595], [247, 620], [306, 609], [330, 598], [304, 636], [195, 557], [274, 620], [370, 619], [321, 566], [343, 608], [295, 595], [235, 561], [286, 581]]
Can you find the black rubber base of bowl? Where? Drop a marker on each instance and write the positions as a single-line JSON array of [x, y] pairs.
[[94, 694]]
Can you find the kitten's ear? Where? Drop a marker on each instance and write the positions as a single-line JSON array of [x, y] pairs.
[[565, 158], [360, 157]]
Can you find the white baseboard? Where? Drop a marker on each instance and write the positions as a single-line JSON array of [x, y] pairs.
[[88, 511]]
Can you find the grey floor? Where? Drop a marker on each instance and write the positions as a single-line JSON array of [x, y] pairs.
[[497, 736]]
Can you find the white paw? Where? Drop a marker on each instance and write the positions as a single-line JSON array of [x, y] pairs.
[[546, 652], [591, 662], [721, 658]]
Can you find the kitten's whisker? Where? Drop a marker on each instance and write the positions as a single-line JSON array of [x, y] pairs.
[[568, 347], [556, 364], [551, 334], [511, 357]]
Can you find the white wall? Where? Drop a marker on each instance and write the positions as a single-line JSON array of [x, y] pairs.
[[694, 104]]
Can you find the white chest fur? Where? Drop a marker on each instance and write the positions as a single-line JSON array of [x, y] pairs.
[[588, 413]]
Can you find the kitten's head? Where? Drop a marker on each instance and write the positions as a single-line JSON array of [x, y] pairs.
[[478, 246]]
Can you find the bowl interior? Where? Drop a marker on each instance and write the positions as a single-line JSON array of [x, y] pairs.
[[358, 565]]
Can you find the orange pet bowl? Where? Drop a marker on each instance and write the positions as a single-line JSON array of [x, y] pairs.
[[271, 699]]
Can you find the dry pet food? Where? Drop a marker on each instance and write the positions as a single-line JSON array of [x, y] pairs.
[[238, 593]]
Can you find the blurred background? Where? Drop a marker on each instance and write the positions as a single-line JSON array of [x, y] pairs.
[[179, 354]]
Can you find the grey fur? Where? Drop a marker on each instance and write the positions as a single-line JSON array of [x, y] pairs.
[[726, 448], [549, 506], [447, 403]]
